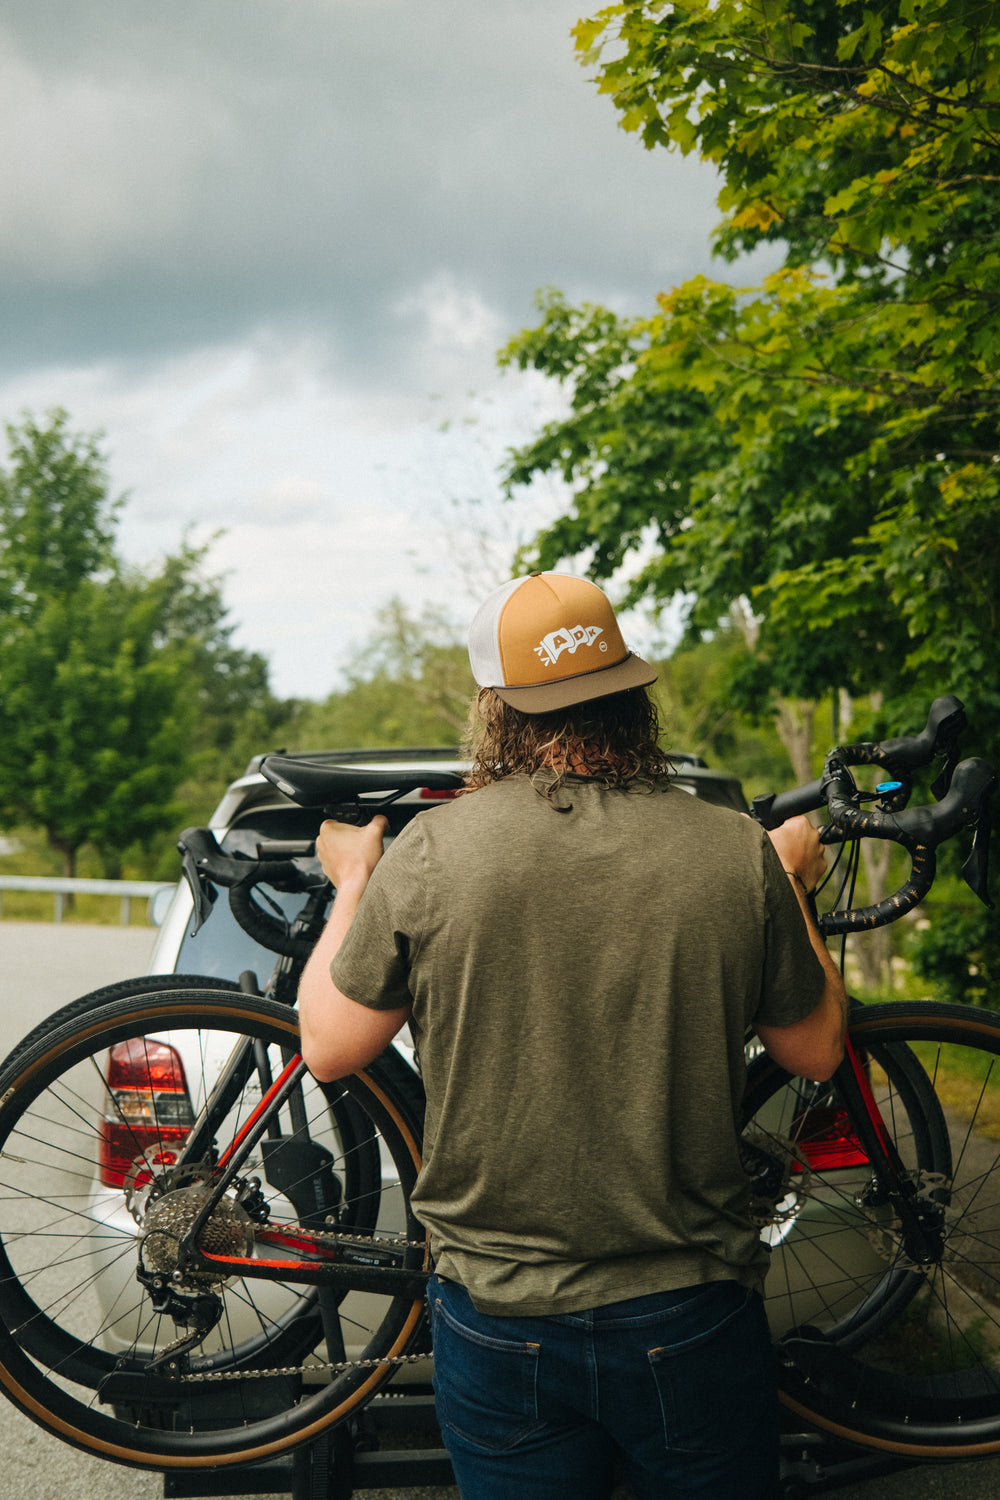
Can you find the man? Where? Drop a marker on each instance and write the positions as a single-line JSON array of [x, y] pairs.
[[581, 947]]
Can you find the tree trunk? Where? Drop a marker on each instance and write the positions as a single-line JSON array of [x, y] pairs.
[[794, 720], [68, 869], [795, 717], [872, 950]]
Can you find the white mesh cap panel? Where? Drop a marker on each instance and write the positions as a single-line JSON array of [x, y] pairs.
[[484, 636]]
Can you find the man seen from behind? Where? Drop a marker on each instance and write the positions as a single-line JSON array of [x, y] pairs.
[[580, 948]]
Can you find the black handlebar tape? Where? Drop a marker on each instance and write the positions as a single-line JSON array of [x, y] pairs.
[[774, 808], [972, 782], [923, 868], [228, 870], [919, 830], [239, 876], [945, 721], [269, 931], [901, 755]]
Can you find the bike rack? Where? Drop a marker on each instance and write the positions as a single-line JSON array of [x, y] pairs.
[[359, 1456], [812, 1463], [355, 1456]]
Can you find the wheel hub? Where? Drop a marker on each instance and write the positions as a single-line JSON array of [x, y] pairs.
[[935, 1219], [771, 1162]]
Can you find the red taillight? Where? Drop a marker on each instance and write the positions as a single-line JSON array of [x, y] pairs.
[[435, 794], [147, 1110], [825, 1139]]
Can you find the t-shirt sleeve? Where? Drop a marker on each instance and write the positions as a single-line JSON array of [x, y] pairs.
[[793, 978], [372, 965]]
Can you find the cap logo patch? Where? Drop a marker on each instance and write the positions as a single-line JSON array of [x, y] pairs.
[[568, 638]]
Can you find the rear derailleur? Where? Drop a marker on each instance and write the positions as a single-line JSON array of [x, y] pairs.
[[178, 1281]]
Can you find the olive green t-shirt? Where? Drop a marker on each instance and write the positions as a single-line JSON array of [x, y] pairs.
[[582, 971]]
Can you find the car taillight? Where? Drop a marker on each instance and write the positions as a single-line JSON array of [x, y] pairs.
[[147, 1111], [824, 1138], [438, 794]]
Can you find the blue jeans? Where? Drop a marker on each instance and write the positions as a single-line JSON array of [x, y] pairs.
[[675, 1390]]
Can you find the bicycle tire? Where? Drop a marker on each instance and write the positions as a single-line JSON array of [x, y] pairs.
[[77, 1330], [121, 989], [41, 1332], [873, 1347]]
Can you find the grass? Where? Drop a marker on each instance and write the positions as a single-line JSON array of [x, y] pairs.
[[24, 852], [966, 1081], [39, 906], [923, 1341]]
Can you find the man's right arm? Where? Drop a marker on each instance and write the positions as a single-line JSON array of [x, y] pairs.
[[814, 1046]]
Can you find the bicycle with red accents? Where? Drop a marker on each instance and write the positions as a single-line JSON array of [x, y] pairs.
[[879, 1193], [208, 1259]]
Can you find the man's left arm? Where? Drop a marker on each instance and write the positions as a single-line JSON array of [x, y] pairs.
[[339, 1036]]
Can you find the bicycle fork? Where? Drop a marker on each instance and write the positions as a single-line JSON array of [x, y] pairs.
[[921, 1215]]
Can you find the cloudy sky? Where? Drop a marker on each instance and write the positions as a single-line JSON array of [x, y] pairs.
[[270, 248]]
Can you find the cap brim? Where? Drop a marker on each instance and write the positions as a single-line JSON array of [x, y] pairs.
[[544, 697]]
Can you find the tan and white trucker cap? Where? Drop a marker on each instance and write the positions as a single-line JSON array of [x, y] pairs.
[[551, 640]]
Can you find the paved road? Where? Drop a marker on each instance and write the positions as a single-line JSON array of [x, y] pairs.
[[41, 967]]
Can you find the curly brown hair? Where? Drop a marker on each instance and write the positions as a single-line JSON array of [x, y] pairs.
[[614, 739]]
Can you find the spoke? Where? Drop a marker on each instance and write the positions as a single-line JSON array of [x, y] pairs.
[[69, 1241]]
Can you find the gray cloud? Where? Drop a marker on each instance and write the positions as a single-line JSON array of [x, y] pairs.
[[270, 246], [181, 174]]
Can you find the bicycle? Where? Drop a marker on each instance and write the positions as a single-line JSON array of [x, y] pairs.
[[187, 1211]]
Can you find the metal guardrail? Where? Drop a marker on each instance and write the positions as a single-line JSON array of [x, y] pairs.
[[62, 886]]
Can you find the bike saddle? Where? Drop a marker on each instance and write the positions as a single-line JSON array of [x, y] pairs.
[[312, 782]]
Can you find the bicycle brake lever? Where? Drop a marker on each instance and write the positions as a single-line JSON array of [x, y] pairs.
[[942, 781], [975, 871], [947, 717], [203, 892]]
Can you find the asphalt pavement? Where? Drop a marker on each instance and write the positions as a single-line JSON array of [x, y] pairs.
[[44, 965]]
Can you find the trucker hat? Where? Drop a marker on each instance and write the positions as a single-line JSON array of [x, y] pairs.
[[551, 640]]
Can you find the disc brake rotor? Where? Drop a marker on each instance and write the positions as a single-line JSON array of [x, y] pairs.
[[886, 1234]]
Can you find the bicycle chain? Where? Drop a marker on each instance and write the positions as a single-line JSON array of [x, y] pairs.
[[334, 1367]]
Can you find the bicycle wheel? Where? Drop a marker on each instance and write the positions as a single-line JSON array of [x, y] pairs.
[[96, 1126], [876, 1344], [42, 1332]]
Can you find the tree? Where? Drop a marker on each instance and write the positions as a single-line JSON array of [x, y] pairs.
[[655, 471], [92, 719], [409, 685], [822, 447], [845, 131], [857, 389], [698, 713], [112, 681], [821, 450], [228, 698], [56, 518]]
